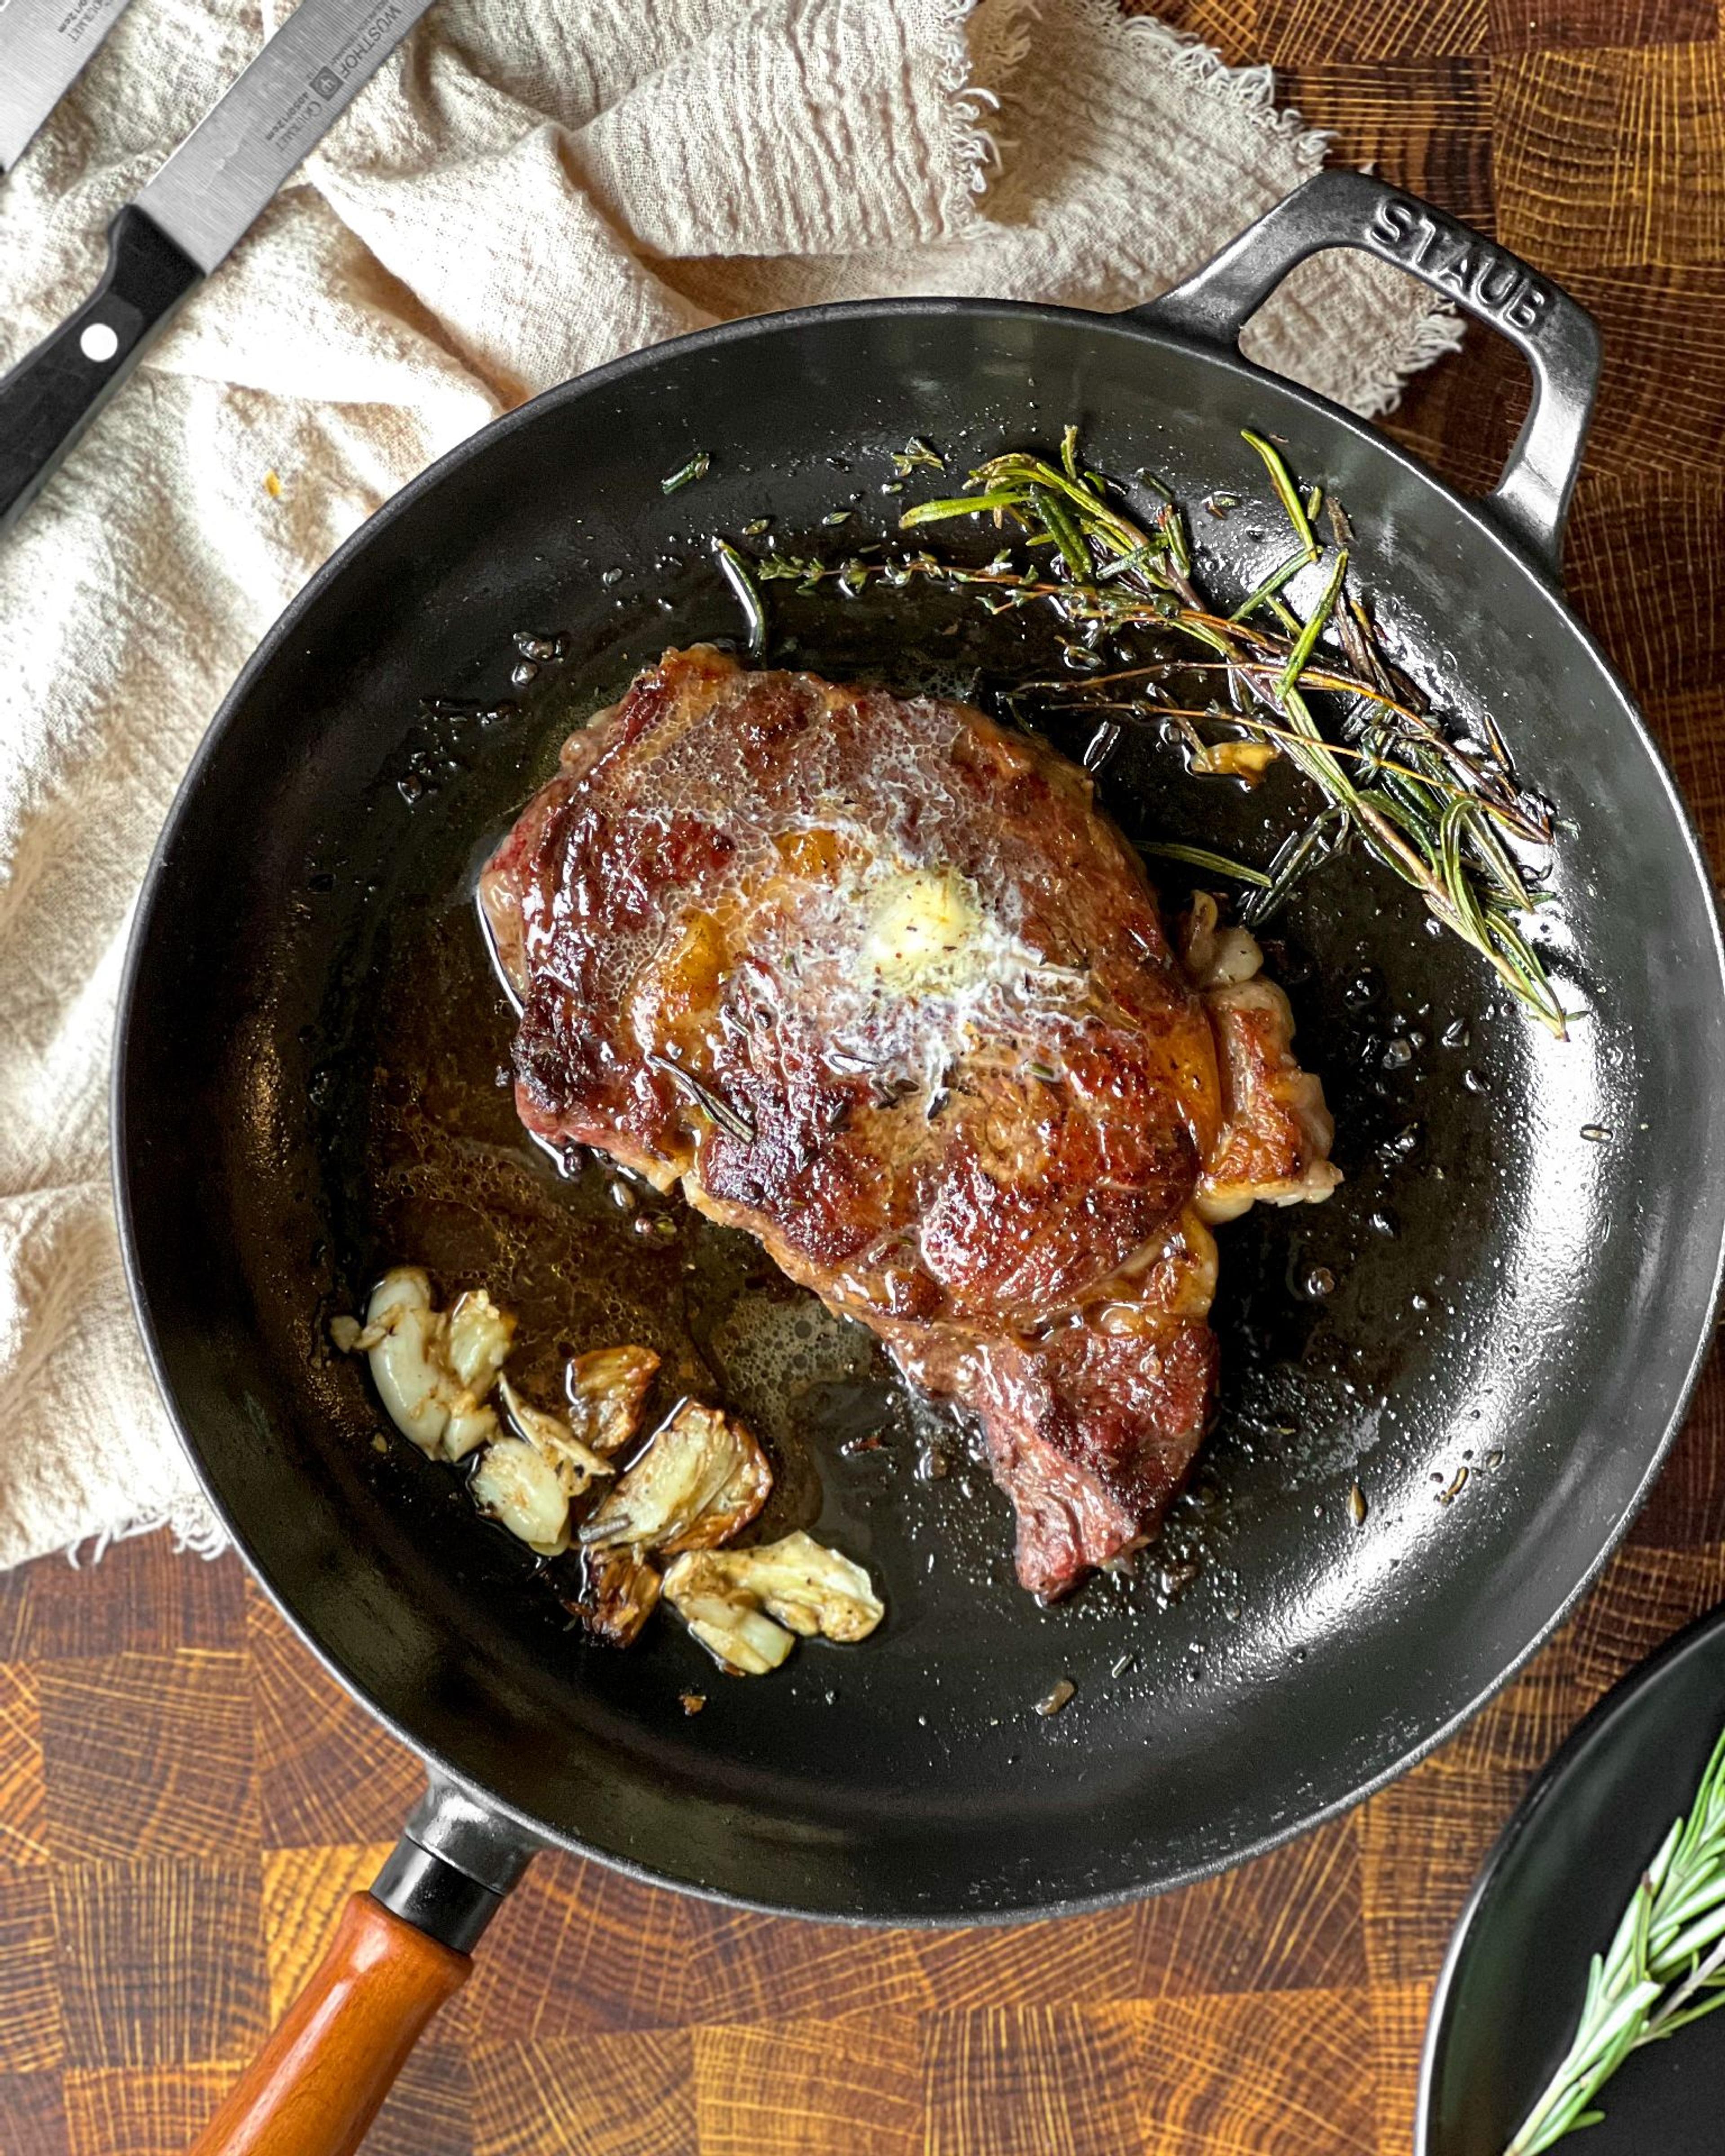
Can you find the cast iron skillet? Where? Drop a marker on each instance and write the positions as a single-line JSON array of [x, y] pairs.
[[305, 1093]]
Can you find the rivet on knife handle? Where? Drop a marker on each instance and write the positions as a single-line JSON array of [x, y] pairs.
[[53, 392]]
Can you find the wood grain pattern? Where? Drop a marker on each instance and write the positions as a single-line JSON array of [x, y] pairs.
[[139, 1985], [147, 1753], [147, 2112], [22, 1805], [1611, 158], [185, 1800], [31, 2035], [810, 2088], [1524, 25]]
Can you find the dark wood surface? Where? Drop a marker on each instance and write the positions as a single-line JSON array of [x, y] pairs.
[[185, 1802]]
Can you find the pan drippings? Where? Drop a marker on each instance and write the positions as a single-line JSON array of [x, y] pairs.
[[440, 1173]]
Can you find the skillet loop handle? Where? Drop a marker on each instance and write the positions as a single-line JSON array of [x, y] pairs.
[[1557, 337]]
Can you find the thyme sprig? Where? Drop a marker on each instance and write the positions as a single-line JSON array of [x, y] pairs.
[[1444, 813], [1664, 1969]]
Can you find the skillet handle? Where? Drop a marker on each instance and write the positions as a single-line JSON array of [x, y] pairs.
[[318, 2083], [1557, 337], [398, 1953]]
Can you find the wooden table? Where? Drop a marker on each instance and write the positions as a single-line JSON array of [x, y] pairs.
[[184, 1800]]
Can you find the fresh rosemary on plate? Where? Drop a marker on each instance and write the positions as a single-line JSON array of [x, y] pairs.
[[1664, 1967], [1447, 814]]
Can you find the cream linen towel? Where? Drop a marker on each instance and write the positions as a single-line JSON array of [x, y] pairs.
[[529, 187]]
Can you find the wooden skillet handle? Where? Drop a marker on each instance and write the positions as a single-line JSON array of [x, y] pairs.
[[398, 1953], [317, 2084]]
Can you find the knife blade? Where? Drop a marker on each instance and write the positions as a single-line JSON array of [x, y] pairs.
[[43, 46], [185, 220]]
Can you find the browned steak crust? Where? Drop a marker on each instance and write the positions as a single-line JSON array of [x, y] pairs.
[[873, 979]]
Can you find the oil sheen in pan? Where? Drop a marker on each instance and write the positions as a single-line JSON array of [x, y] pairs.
[[1318, 1308]]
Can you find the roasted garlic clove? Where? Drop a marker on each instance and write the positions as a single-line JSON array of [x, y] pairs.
[[606, 1387], [619, 1595], [467, 1429], [431, 1368], [1216, 957], [407, 1361], [702, 1478], [574, 1465], [515, 1483], [805, 1586], [479, 1340], [730, 1624]]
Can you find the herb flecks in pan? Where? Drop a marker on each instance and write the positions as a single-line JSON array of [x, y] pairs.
[[1447, 815], [914, 453], [698, 466], [1664, 1967]]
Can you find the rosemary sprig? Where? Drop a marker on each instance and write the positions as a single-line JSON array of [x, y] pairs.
[[1200, 857], [1307, 641], [1300, 516], [1281, 574], [737, 575], [713, 1106], [1664, 1969], [1438, 812], [1292, 860], [916, 452]]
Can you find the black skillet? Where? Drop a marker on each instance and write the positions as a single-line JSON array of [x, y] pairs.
[[1546, 1901], [1525, 1255]]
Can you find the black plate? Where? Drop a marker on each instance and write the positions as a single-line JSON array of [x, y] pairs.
[[1549, 1899]]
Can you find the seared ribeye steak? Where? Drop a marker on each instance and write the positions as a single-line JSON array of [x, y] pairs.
[[873, 979]]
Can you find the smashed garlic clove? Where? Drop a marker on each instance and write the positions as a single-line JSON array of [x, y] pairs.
[[730, 1599], [574, 1465], [348, 1335], [407, 1360], [1215, 958], [431, 1368], [1236, 759], [606, 1387], [701, 1479], [467, 1429], [619, 1595], [807, 1588], [804, 1585], [733, 1629], [515, 1484], [1235, 958], [478, 1341]]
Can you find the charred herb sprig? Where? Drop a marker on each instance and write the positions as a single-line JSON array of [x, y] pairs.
[[1445, 815], [1664, 1969]]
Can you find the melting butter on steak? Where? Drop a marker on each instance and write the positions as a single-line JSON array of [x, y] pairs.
[[874, 980]]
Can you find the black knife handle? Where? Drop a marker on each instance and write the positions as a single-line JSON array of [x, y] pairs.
[[54, 392]]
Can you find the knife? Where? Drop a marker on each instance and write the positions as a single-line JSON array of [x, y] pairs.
[[185, 220], [43, 46]]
